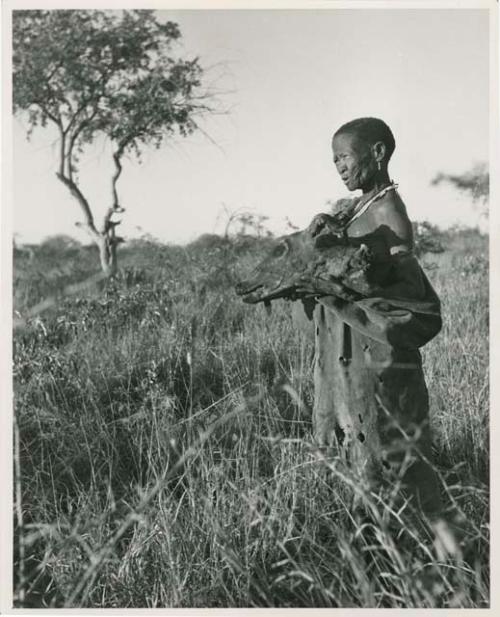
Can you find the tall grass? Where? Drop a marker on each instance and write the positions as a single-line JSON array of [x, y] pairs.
[[165, 457]]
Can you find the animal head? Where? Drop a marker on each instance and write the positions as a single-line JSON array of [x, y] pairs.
[[301, 255], [275, 276]]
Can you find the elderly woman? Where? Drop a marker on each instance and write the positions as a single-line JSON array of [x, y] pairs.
[[371, 398]]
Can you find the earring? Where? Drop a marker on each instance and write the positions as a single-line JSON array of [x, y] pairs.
[[379, 165]]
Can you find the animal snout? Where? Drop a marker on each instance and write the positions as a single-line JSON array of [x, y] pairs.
[[246, 287], [240, 288]]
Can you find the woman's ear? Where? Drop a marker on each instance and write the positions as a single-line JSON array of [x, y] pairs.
[[379, 151]]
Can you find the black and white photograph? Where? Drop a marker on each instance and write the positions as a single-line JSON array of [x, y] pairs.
[[246, 291]]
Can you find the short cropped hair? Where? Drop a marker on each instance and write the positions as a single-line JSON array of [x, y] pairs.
[[370, 130]]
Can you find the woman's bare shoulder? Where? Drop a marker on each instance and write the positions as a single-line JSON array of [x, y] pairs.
[[390, 213]]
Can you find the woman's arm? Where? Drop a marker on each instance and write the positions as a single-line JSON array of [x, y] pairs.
[[413, 317], [396, 326], [391, 217]]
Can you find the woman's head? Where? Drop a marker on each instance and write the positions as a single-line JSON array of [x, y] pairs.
[[361, 152]]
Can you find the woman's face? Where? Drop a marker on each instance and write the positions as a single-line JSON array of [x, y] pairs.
[[354, 161]]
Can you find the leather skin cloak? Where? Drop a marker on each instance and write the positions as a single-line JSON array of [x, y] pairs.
[[370, 396]]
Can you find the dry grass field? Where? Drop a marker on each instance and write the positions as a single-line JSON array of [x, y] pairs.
[[163, 443]]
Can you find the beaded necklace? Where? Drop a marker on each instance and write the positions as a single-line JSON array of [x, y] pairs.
[[365, 206]]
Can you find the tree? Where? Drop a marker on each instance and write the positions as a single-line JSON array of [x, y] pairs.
[[103, 74], [475, 182]]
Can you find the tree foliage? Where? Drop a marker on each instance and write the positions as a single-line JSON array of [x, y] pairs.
[[475, 182], [103, 73]]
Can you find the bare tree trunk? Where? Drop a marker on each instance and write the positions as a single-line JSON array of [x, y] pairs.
[[106, 240], [107, 253]]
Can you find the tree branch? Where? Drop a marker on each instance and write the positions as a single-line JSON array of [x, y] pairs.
[[92, 98], [50, 115], [115, 207], [74, 137], [62, 152], [78, 195], [207, 135], [117, 160]]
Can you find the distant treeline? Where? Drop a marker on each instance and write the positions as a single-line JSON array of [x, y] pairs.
[[427, 238]]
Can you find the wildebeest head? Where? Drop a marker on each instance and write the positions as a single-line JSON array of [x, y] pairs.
[[300, 255]]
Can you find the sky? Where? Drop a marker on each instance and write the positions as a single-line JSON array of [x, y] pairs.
[[287, 80]]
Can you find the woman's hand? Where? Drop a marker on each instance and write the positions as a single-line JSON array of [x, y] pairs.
[[319, 222]]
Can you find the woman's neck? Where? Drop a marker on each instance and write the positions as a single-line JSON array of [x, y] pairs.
[[380, 181]]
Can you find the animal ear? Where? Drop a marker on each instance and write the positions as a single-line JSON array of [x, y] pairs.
[[281, 249]]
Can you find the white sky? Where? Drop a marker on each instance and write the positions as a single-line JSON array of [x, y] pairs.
[[292, 77]]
